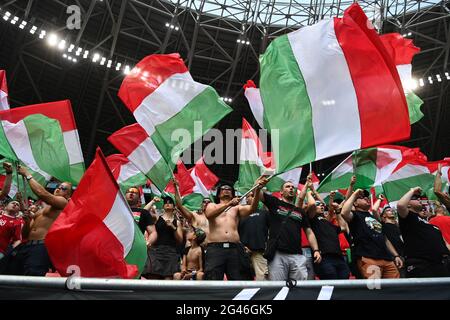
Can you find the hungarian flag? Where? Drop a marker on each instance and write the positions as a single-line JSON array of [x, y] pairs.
[[45, 138], [195, 184], [402, 51], [370, 166], [135, 144], [330, 85], [410, 172], [96, 231], [253, 96], [125, 172], [254, 162], [4, 104], [164, 99]]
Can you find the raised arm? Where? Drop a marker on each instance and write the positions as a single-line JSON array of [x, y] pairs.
[[311, 206], [350, 188], [347, 208], [331, 210], [444, 198], [247, 210], [7, 185], [152, 235], [402, 205], [316, 194], [214, 210], [56, 202], [376, 207], [302, 195], [179, 203]]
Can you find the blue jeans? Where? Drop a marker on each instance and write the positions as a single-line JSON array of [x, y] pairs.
[[332, 267]]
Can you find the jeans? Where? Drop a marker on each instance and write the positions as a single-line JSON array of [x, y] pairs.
[[226, 258], [420, 268], [29, 260], [307, 252], [332, 267], [286, 266]]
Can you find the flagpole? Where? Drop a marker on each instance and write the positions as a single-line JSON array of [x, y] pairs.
[[251, 190]]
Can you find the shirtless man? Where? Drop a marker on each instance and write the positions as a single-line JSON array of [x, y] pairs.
[[196, 219], [31, 257], [224, 252], [192, 265]]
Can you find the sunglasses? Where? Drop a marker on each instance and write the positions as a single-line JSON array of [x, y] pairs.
[[63, 188], [136, 192], [226, 188]]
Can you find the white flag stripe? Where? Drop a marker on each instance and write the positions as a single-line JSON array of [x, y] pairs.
[[199, 187], [145, 156], [335, 112], [384, 172], [249, 151], [127, 171], [18, 133], [254, 100], [325, 293], [4, 104], [72, 143], [120, 222], [282, 294], [246, 294], [165, 102]]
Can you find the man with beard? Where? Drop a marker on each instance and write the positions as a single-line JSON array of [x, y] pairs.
[[10, 227], [284, 250], [142, 216], [426, 252], [374, 253], [195, 219], [225, 254], [31, 257]]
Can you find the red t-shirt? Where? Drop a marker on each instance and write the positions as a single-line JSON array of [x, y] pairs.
[[443, 223], [10, 231]]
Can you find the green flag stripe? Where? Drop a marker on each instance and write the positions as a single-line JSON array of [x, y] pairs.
[[138, 253]]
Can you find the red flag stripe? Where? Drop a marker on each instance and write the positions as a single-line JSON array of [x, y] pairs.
[[128, 138]]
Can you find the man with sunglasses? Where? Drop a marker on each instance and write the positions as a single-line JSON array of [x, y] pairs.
[[375, 255], [196, 219], [31, 257], [426, 252], [142, 216], [225, 253]]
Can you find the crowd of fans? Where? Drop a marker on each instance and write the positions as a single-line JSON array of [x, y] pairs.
[[260, 237]]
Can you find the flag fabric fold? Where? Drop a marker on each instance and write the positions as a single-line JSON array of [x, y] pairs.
[[125, 172], [96, 231], [135, 144], [164, 99], [4, 104], [314, 84]]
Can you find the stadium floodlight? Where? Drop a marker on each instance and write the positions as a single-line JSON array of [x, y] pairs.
[[62, 45], [14, 20], [118, 65], [96, 57], [86, 54], [33, 29], [421, 83], [71, 47], [42, 34], [6, 15], [109, 64], [52, 40], [126, 70], [102, 62], [22, 24]]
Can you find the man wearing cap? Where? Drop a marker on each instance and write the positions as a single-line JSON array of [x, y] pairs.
[[224, 252], [441, 220], [426, 252], [196, 219], [31, 258], [375, 255]]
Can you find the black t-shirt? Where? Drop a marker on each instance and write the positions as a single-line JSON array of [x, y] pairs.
[[368, 238], [143, 218], [289, 240], [253, 230], [326, 234], [392, 232], [422, 240], [166, 235]]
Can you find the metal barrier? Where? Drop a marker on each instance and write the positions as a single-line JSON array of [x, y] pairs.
[[427, 288]]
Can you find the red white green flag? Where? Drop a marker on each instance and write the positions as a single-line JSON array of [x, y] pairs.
[[96, 231], [4, 104]]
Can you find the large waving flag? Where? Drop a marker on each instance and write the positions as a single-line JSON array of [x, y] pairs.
[[402, 51], [330, 84], [96, 231], [125, 172], [4, 104], [164, 99], [254, 162], [45, 138], [135, 144]]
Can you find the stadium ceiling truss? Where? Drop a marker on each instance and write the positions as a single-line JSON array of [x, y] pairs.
[[220, 40]]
